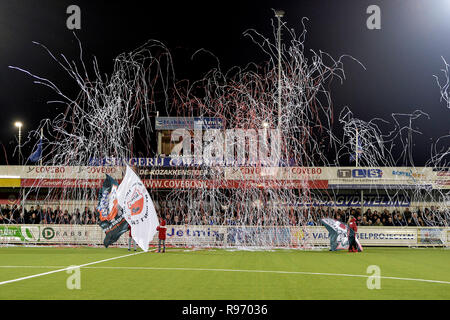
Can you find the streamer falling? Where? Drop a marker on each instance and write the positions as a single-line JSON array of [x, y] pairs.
[[112, 118]]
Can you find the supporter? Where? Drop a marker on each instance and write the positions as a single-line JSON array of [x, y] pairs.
[[410, 222], [21, 216], [420, 222], [176, 220], [34, 219], [28, 214], [389, 222], [58, 211], [169, 220], [6, 210], [397, 221], [39, 213], [364, 221], [54, 216], [407, 213], [385, 215], [66, 218], [46, 216], [77, 216], [378, 223], [14, 215], [84, 216]]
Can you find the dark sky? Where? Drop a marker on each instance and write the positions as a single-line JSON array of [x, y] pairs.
[[400, 59]]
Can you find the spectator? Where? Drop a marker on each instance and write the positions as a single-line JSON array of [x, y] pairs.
[[28, 214], [364, 221], [389, 222], [169, 220], [34, 219], [378, 223]]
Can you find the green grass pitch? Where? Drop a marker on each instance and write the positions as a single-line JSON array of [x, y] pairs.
[[219, 274]]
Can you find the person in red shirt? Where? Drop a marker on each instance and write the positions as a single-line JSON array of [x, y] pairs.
[[162, 229], [130, 240], [352, 235]]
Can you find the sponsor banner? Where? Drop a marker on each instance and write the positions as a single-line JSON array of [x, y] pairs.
[[373, 186], [175, 173], [55, 234], [60, 172], [369, 201], [174, 161], [259, 236], [387, 178], [280, 173], [188, 235], [433, 236], [180, 167], [234, 184], [367, 236], [196, 123], [16, 233], [62, 183]]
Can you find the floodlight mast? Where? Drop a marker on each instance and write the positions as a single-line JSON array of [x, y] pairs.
[[19, 125], [279, 14]]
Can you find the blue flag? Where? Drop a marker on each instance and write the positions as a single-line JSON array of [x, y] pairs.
[[36, 155]]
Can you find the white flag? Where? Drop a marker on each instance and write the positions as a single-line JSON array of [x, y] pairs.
[[138, 209]]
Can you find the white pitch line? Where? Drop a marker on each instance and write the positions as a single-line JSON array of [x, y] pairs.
[[231, 270], [65, 269]]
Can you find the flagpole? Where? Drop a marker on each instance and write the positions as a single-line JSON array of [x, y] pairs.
[[42, 135], [356, 148], [357, 166]]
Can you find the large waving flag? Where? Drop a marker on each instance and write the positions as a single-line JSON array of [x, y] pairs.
[[138, 208], [339, 233], [36, 155], [108, 212]]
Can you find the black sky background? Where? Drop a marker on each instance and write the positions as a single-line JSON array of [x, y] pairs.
[[400, 59]]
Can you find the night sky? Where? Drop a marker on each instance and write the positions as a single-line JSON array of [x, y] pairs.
[[400, 59]]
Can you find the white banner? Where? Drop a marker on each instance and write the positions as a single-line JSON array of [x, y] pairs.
[[337, 177], [225, 236], [61, 172]]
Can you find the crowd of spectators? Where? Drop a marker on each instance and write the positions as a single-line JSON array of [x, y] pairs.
[[203, 213], [39, 215]]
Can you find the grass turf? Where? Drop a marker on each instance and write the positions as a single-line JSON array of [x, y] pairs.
[[172, 276]]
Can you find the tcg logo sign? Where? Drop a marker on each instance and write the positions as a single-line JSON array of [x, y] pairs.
[[359, 173], [48, 233]]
